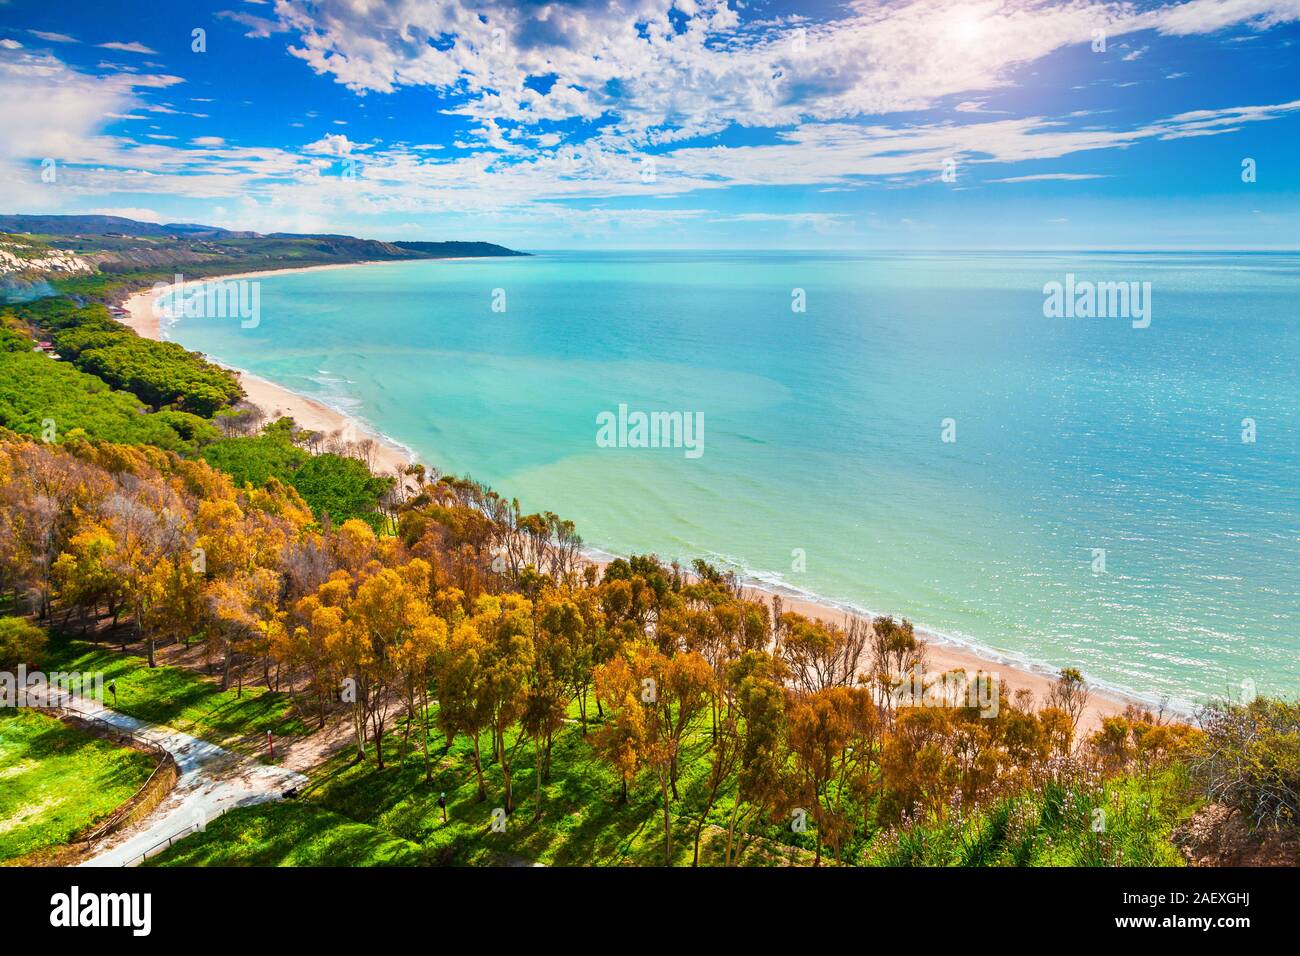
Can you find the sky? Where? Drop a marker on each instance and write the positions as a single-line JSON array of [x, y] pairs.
[[875, 124]]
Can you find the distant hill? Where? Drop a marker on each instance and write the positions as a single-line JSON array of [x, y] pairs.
[[78, 253], [110, 227], [443, 250]]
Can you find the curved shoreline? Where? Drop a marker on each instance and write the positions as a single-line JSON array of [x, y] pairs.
[[273, 399], [944, 652]]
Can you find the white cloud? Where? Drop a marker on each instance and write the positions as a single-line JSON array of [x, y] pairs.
[[132, 47], [663, 79], [49, 37], [332, 144], [132, 212], [1049, 177], [259, 28], [1210, 16]]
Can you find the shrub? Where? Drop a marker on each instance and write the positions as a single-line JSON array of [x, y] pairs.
[[1250, 759]]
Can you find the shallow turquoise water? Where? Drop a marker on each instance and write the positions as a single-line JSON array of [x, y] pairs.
[[823, 431]]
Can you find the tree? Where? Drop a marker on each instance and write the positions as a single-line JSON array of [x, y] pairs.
[[315, 640], [151, 533], [239, 608], [83, 573], [896, 653], [341, 487], [557, 635], [508, 663], [391, 607], [173, 609], [831, 736], [462, 683], [627, 738], [724, 758], [918, 769], [1070, 694], [686, 682], [1250, 759], [414, 659], [757, 680], [21, 642]]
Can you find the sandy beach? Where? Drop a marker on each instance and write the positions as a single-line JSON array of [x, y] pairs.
[[276, 401], [943, 656]]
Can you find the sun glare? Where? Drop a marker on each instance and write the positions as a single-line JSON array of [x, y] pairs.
[[966, 26]]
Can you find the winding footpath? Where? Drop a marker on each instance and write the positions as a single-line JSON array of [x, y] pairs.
[[211, 781]]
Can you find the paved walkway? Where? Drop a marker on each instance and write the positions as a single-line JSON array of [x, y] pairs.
[[212, 780]]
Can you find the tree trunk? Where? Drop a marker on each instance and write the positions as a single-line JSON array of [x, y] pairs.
[[537, 772], [225, 668], [668, 825], [699, 827], [377, 721], [428, 764], [510, 797], [478, 769]]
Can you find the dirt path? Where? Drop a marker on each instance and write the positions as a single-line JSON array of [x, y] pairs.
[[212, 780]]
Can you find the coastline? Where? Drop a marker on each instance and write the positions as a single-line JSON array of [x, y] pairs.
[[276, 400], [942, 653]]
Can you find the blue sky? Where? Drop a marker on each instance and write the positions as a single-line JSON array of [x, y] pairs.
[[666, 123]]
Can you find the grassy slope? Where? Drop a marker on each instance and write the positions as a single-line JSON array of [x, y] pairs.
[[1057, 827], [583, 824], [289, 834], [178, 698], [56, 780]]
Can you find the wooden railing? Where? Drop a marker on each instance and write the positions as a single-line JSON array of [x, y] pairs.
[[164, 844], [148, 795]]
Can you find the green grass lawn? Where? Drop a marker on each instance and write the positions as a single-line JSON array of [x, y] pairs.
[[56, 780], [178, 698], [289, 834], [582, 823]]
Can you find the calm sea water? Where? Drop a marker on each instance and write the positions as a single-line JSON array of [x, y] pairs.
[[823, 431]]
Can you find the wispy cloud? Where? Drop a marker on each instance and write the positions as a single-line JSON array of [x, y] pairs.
[[49, 37], [1048, 177], [132, 47]]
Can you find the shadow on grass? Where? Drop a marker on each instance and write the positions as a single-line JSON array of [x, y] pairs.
[[175, 697], [289, 834]]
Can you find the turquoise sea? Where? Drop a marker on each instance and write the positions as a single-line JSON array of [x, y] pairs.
[[824, 467]]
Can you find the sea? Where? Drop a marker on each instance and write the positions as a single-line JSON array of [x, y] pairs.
[[1112, 486]]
